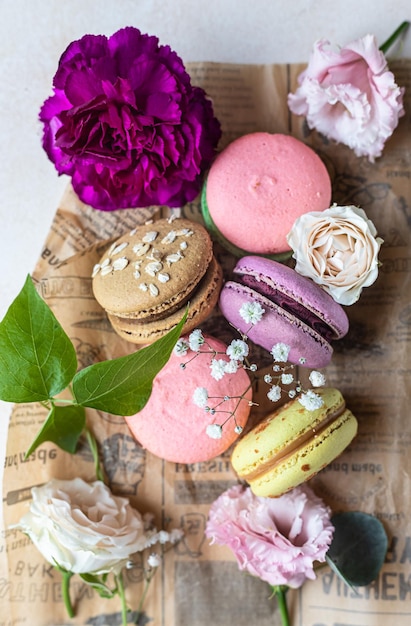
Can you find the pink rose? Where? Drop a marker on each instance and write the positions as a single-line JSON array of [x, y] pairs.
[[275, 539], [350, 96]]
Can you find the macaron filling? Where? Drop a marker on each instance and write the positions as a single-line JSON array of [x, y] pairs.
[[302, 311]]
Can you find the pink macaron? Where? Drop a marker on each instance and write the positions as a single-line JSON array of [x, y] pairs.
[[173, 426], [297, 312], [258, 186]]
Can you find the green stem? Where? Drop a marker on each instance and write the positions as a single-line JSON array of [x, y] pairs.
[[388, 43], [280, 591], [94, 451], [122, 594], [143, 597], [65, 588]]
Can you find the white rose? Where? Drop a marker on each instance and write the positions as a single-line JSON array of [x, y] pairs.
[[337, 249], [83, 527]]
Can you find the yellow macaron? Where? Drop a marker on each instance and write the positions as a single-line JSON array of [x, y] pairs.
[[292, 444]]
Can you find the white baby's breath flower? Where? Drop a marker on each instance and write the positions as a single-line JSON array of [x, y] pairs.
[[280, 352], [231, 366], [214, 431], [175, 535], [163, 536], [237, 350], [196, 340], [274, 393], [287, 379], [317, 379], [154, 560], [217, 367], [181, 347], [200, 397], [311, 400], [238, 430], [268, 378], [251, 312], [292, 393]]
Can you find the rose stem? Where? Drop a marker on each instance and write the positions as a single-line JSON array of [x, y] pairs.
[[280, 591], [387, 44], [121, 593], [65, 587], [94, 451]]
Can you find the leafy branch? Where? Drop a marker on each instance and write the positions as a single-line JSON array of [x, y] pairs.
[[38, 362]]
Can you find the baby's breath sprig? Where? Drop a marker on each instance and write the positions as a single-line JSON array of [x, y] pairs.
[[201, 399], [238, 353], [150, 565]]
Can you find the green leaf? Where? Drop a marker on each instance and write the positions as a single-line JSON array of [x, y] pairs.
[[37, 359], [63, 426], [122, 386], [358, 548], [97, 583]]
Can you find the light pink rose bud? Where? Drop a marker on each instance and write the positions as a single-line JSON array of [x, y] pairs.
[[338, 249], [350, 96]]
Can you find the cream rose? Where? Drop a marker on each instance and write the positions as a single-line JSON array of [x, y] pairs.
[[338, 249], [83, 527]]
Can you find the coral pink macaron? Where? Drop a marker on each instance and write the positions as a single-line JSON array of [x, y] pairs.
[[257, 187], [173, 426]]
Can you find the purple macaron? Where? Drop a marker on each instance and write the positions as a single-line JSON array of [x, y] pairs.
[[297, 312]]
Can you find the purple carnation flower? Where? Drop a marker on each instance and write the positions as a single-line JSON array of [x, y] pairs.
[[126, 124]]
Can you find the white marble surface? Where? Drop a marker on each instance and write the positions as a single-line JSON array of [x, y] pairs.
[[33, 34]]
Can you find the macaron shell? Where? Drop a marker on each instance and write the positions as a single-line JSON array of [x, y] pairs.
[[256, 456], [309, 460], [219, 237], [151, 271], [276, 325], [200, 306], [309, 300], [258, 186], [172, 427]]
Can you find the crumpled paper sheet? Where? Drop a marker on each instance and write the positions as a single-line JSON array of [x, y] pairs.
[[201, 585]]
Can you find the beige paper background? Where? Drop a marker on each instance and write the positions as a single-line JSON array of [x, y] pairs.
[[201, 585]]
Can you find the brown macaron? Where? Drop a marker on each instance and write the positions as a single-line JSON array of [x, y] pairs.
[[147, 277]]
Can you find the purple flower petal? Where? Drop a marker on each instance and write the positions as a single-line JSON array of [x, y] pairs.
[[126, 124]]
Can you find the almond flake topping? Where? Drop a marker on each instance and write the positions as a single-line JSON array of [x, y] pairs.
[[173, 258], [133, 232], [111, 248], [183, 245], [119, 248], [96, 270], [120, 264], [143, 287], [155, 255], [150, 236], [136, 274], [153, 267], [153, 289], [105, 263], [141, 248], [163, 277], [106, 270], [187, 232], [170, 237]]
